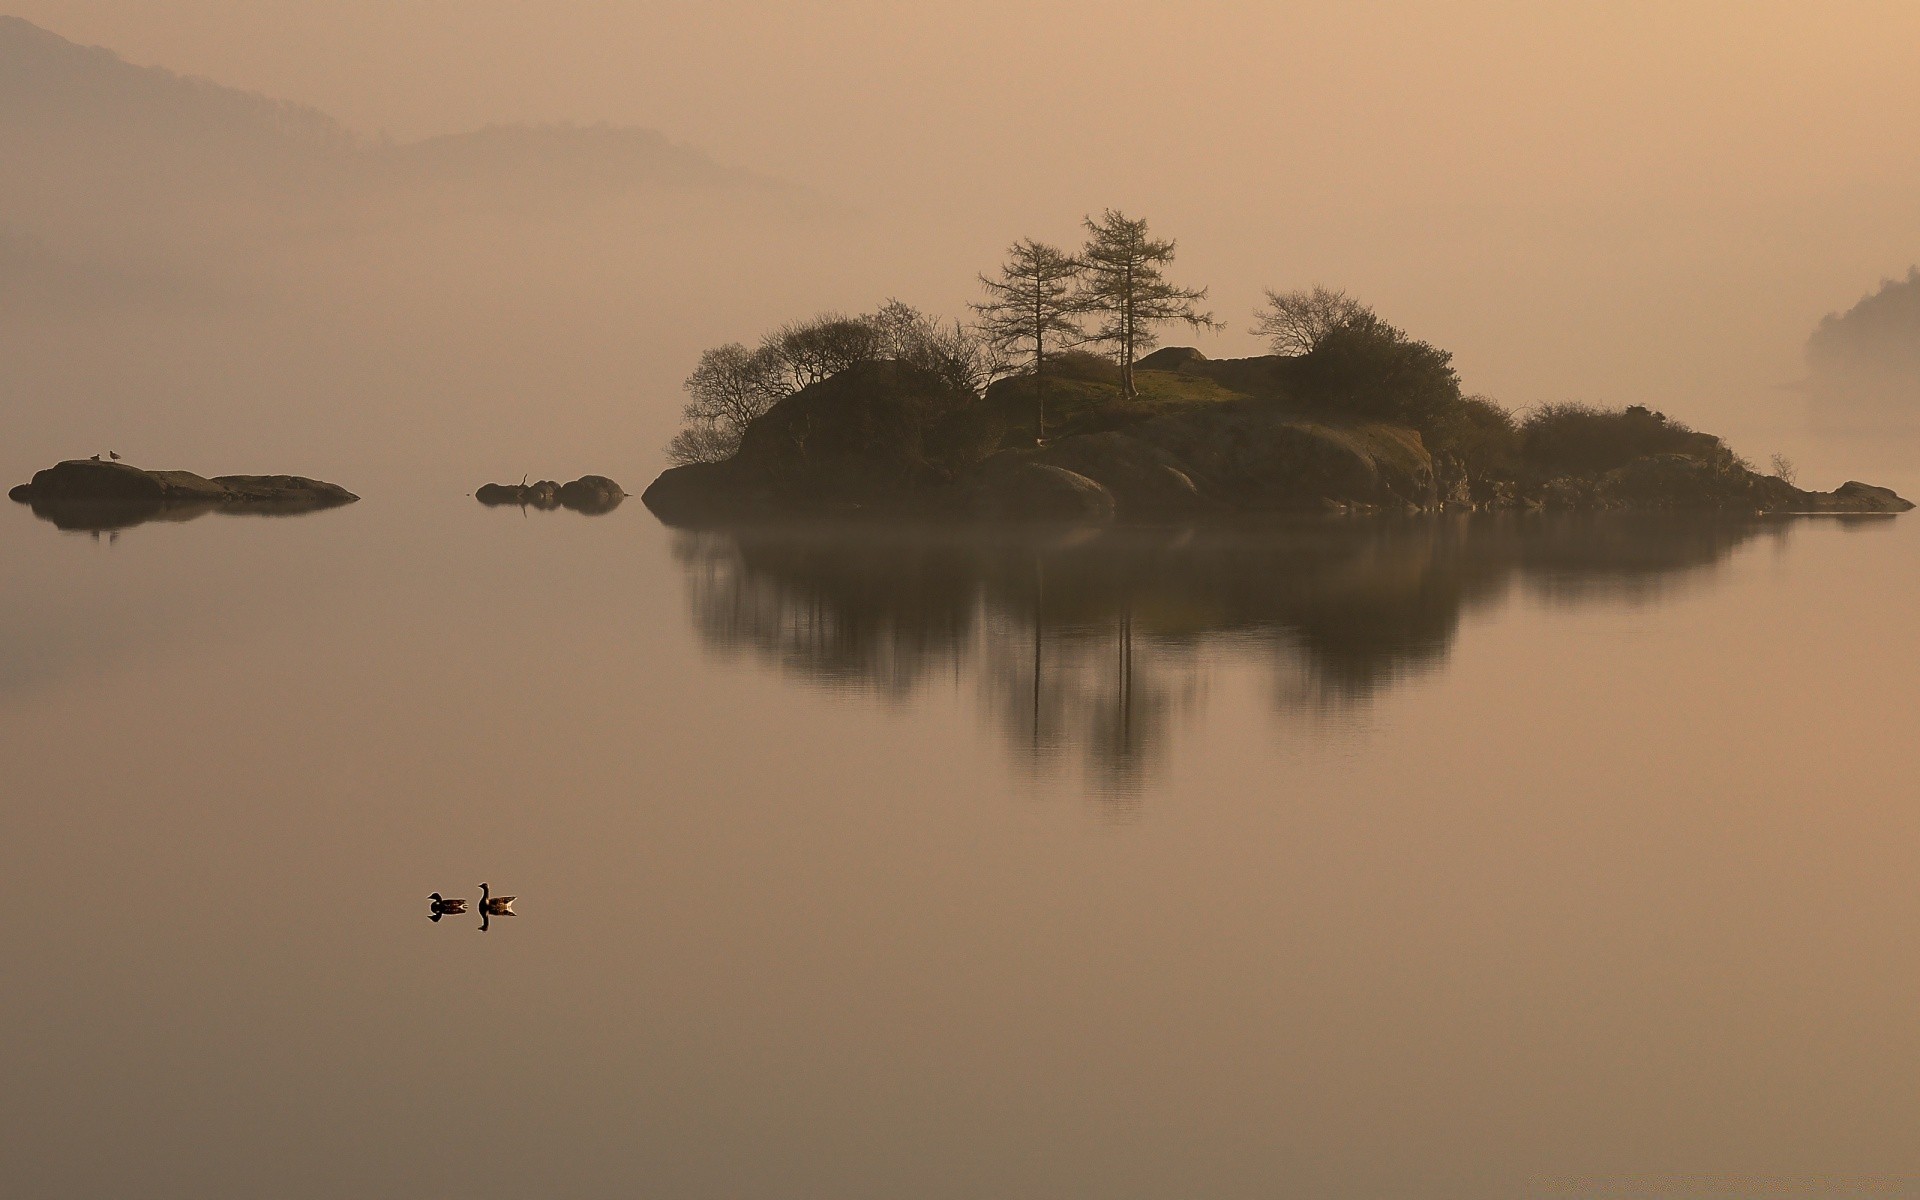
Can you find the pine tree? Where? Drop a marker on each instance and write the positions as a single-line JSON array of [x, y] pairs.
[[1030, 312], [1122, 281]]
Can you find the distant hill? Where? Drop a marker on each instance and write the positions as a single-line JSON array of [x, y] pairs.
[[1864, 363], [92, 142], [1880, 333]]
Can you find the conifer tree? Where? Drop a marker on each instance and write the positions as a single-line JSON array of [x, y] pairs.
[[1030, 312], [1122, 281]]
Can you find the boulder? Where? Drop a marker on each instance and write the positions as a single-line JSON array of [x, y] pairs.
[[592, 494], [1856, 497], [876, 431], [1253, 456], [1145, 480], [705, 493], [1023, 490]]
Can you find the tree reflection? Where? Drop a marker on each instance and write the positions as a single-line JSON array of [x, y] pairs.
[[1094, 643]]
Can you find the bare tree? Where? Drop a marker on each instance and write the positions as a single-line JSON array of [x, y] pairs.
[[1031, 308], [823, 347], [731, 386], [1295, 322], [702, 441], [1785, 471], [1123, 283], [946, 348]]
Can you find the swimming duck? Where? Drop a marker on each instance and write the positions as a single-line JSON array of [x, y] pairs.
[[442, 906], [498, 906]]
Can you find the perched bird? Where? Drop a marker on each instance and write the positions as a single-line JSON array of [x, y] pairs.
[[444, 906], [496, 906], [114, 455], [95, 458]]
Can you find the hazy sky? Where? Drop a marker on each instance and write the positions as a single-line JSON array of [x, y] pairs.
[[1614, 202]]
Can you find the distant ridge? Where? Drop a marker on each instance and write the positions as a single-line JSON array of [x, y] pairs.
[[76, 119], [47, 80]]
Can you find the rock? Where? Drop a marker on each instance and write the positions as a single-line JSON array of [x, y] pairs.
[[544, 494], [86, 493], [1170, 358], [21, 493], [1253, 456], [1854, 496], [1023, 490], [592, 494], [876, 431], [1145, 480], [705, 493]]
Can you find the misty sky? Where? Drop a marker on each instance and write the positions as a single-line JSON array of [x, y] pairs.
[[1615, 203]]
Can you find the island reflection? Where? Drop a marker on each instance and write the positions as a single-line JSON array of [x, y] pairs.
[[1091, 643]]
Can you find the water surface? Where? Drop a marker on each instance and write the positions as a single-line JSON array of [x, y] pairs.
[[1450, 857]]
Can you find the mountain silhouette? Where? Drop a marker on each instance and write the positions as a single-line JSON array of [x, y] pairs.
[[94, 143]]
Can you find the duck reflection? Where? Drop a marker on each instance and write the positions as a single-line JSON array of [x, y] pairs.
[[1095, 643]]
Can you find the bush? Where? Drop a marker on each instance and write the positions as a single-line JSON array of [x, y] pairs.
[[1367, 368], [1578, 439], [1084, 366], [1480, 434]]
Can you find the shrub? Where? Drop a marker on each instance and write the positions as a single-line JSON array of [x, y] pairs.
[[1480, 434], [1367, 368], [1083, 365], [1578, 439]]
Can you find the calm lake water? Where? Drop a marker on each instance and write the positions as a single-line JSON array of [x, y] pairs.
[[1461, 857]]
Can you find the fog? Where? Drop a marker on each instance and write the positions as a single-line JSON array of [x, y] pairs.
[[1631, 204]]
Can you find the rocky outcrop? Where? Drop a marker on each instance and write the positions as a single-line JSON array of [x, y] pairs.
[[885, 439], [1010, 488], [1856, 497], [590, 494], [95, 494]]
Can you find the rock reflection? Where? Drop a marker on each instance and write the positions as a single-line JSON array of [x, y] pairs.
[[112, 516], [1094, 643]]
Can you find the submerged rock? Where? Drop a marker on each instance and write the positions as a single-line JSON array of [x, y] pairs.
[[91, 494], [591, 494]]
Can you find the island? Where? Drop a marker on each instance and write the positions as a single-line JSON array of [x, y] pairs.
[[1206, 438], [1015, 416], [104, 494]]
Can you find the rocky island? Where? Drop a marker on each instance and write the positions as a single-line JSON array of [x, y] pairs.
[[98, 494], [1203, 438], [895, 413]]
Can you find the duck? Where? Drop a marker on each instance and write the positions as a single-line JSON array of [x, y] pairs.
[[114, 455], [497, 906], [443, 906]]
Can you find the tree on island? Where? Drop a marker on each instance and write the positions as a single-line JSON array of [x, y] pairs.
[[733, 385], [1031, 309], [1123, 283], [1294, 323]]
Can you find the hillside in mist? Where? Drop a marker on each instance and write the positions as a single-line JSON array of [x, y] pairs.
[[210, 278], [104, 153], [1864, 363]]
